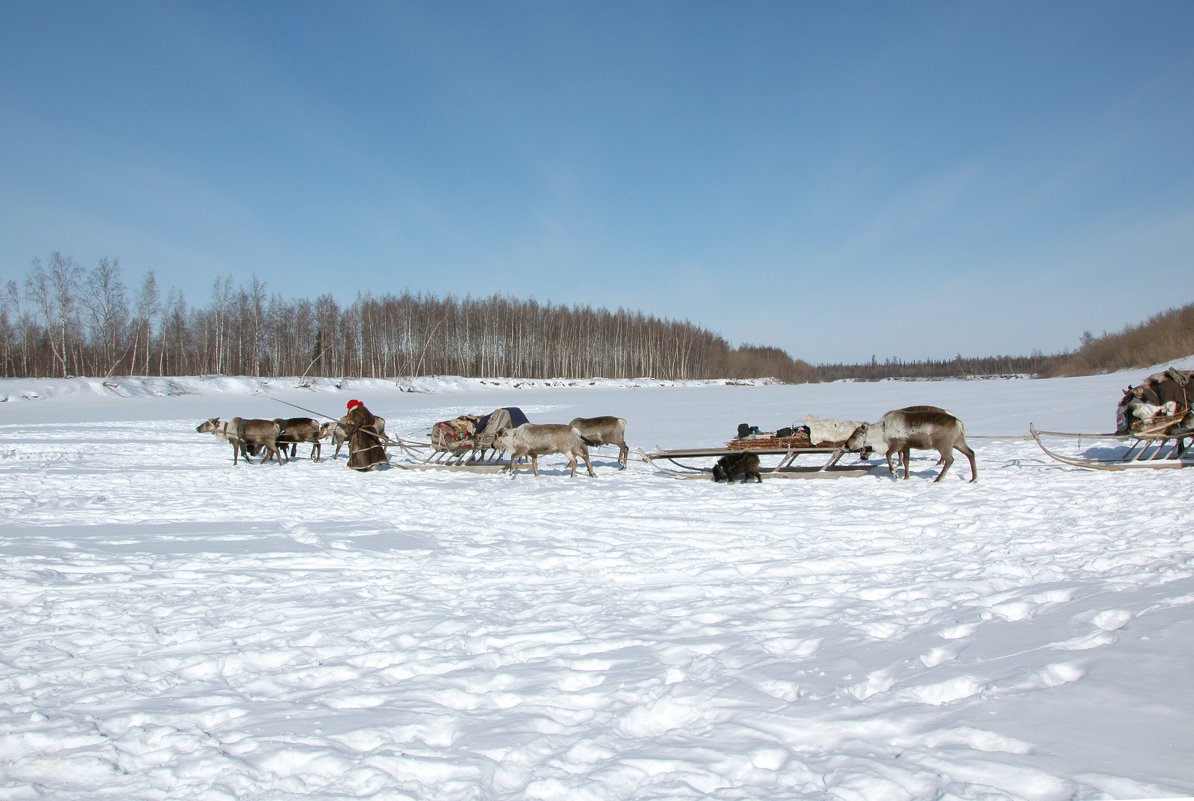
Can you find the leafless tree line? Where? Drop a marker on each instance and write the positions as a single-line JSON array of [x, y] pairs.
[[66, 320]]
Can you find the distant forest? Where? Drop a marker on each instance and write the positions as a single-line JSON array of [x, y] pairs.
[[66, 320], [1164, 336], [957, 367]]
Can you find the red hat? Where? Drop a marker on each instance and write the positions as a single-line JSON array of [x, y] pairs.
[[352, 404]]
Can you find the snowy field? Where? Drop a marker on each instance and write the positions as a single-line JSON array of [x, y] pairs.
[[175, 627]]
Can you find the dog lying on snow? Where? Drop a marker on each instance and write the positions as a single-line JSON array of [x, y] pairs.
[[732, 464]]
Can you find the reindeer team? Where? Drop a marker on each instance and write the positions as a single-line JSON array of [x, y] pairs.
[[897, 433], [251, 437]]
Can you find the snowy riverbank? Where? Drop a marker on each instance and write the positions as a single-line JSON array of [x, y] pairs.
[[176, 627]]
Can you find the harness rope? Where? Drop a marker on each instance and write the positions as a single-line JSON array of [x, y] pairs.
[[303, 408]]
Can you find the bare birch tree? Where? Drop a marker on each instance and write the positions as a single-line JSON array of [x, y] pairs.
[[53, 289], [103, 298], [147, 309]]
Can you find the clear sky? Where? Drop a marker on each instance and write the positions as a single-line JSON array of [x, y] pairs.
[[839, 179]]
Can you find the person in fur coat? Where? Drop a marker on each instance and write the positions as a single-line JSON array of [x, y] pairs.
[[364, 444]]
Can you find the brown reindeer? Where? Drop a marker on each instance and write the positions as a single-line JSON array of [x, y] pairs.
[[294, 430], [921, 427], [606, 430], [244, 435], [534, 440]]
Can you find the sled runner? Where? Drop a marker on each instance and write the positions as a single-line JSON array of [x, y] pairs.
[[1167, 447]]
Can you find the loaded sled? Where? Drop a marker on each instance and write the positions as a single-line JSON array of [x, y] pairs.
[[464, 443], [1154, 428], [778, 452]]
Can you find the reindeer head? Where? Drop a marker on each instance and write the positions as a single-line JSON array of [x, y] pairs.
[[856, 442]]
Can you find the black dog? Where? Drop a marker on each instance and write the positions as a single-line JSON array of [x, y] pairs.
[[728, 466]]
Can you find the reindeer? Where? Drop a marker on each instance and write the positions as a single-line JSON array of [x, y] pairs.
[[534, 440], [299, 429], [921, 427], [607, 430], [244, 435]]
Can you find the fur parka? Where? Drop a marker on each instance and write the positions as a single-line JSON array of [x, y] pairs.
[[364, 445]]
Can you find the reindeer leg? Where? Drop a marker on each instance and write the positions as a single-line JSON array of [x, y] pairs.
[[969, 454], [947, 458]]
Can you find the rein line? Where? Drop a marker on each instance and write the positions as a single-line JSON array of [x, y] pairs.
[[303, 408]]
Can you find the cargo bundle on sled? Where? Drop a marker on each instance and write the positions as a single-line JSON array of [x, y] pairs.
[[465, 442], [1154, 427], [818, 445]]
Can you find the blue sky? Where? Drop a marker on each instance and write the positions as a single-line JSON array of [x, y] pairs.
[[842, 180]]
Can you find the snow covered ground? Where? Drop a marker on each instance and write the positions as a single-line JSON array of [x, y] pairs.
[[177, 627]]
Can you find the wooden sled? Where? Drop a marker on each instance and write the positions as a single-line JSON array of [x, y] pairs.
[[685, 462], [464, 443], [1163, 447]]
